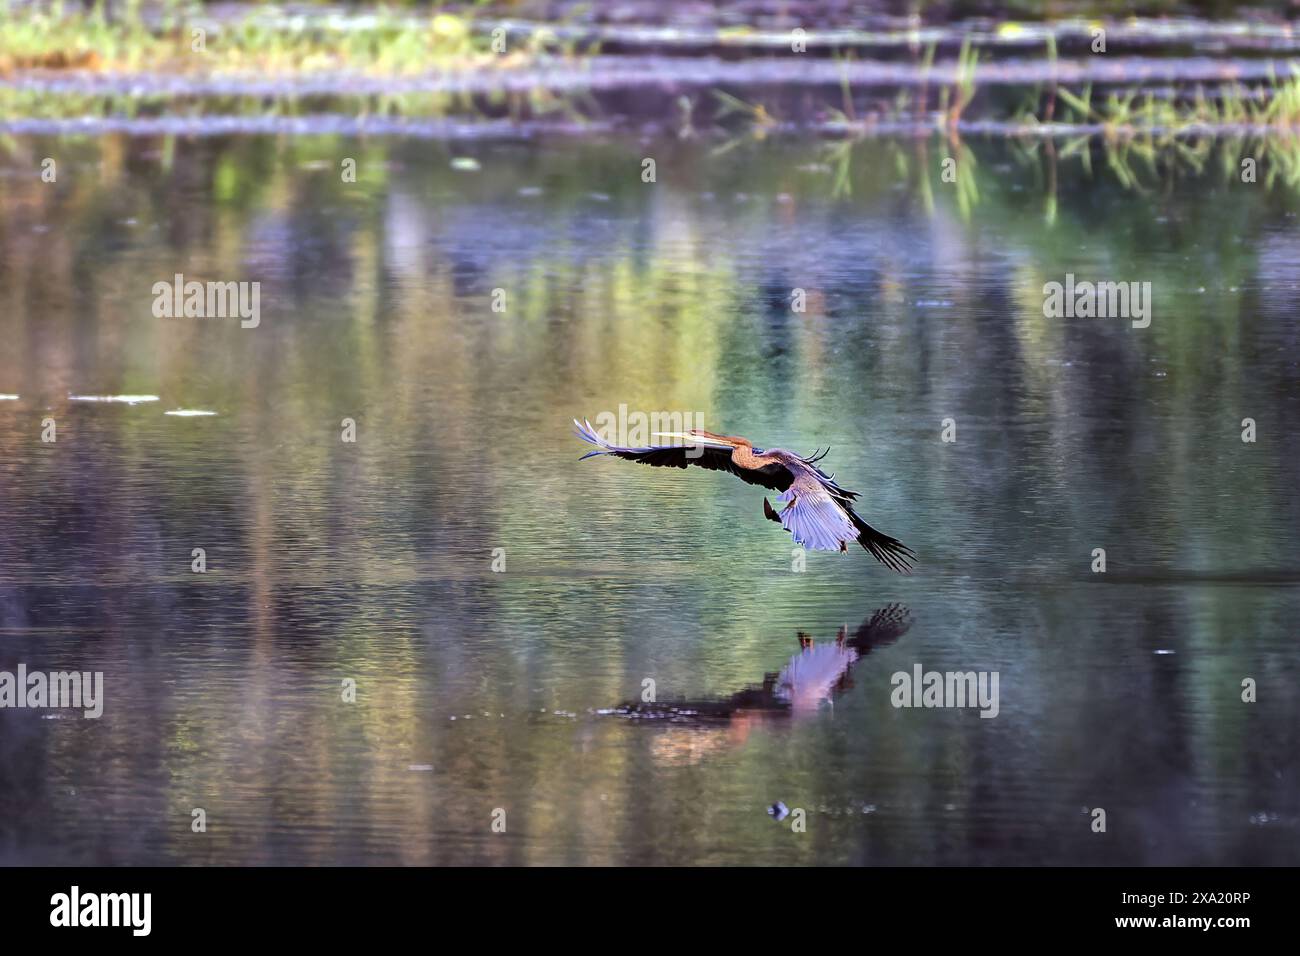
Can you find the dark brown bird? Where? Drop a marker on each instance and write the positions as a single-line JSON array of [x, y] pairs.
[[816, 511]]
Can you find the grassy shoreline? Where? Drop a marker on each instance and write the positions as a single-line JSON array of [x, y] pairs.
[[61, 60], [180, 40]]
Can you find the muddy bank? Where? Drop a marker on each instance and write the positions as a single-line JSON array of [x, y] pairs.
[[606, 73]]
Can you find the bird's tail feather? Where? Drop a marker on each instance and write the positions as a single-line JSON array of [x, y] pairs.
[[888, 550]]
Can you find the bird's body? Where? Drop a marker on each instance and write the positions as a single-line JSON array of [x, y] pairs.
[[817, 512]]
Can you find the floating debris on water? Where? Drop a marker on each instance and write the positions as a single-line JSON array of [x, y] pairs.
[[8, 398], [420, 767], [189, 412], [124, 399], [466, 164]]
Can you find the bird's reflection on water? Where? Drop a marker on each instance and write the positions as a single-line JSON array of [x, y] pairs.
[[809, 681]]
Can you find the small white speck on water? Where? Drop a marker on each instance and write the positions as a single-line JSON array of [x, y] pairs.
[[8, 398], [189, 412], [125, 399], [466, 164], [1165, 651], [420, 767]]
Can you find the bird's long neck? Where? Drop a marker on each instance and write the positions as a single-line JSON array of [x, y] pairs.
[[743, 455]]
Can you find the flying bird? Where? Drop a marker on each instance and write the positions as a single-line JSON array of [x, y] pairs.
[[816, 511]]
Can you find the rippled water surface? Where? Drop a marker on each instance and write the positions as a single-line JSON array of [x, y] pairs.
[[478, 691]]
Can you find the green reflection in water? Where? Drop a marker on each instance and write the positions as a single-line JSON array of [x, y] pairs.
[[371, 561]]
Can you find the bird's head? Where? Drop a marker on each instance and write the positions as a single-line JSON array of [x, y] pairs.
[[698, 436]]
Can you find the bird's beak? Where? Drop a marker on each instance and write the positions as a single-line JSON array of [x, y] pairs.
[[688, 439]]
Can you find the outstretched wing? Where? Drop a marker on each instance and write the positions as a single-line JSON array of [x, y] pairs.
[[774, 476], [819, 515], [815, 518]]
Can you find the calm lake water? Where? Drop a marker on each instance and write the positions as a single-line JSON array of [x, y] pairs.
[[479, 692]]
